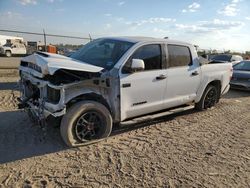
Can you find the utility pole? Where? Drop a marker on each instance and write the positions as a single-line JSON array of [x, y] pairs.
[[90, 38], [45, 45]]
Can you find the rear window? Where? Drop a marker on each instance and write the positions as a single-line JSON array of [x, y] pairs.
[[222, 58], [179, 56]]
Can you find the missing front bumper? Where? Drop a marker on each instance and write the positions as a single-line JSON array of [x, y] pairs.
[[39, 114]]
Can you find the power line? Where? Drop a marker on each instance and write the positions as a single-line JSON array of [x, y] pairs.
[[42, 34]]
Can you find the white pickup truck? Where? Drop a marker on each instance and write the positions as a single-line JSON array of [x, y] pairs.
[[10, 49], [118, 80]]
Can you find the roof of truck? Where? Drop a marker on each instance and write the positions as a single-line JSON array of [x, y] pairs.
[[136, 39]]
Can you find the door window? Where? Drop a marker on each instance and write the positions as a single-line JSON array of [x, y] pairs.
[[150, 54], [179, 56]]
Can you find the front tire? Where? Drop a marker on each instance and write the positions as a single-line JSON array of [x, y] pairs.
[[208, 99], [8, 53], [85, 122]]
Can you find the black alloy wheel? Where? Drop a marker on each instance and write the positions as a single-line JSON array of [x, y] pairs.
[[210, 98], [88, 126]]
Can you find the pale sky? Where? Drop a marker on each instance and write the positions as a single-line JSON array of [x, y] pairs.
[[217, 24]]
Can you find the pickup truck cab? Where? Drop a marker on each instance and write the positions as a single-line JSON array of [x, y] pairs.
[[13, 49], [118, 80]]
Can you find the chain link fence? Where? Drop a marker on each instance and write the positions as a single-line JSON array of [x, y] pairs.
[[42, 41]]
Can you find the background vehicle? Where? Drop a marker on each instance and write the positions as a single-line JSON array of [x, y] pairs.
[[118, 80], [31, 47], [10, 49], [5, 38], [65, 51], [226, 58], [241, 76]]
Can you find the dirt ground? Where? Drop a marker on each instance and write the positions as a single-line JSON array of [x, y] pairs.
[[191, 149], [9, 62]]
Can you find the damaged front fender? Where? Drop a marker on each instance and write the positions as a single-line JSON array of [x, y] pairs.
[[53, 99]]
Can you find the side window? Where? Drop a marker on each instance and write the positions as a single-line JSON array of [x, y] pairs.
[[179, 56], [151, 55]]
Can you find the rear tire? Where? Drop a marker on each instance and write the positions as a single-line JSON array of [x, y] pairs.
[[208, 99], [85, 122], [8, 53]]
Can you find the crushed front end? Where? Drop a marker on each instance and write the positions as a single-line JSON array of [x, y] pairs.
[[40, 98], [47, 81]]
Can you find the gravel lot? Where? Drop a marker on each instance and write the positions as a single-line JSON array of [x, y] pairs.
[[191, 149], [9, 62]]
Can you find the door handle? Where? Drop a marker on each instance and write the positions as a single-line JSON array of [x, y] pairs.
[[126, 85], [161, 77], [195, 73]]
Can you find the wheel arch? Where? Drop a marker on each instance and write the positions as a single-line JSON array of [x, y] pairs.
[[8, 50], [89, 96], [216, 83]]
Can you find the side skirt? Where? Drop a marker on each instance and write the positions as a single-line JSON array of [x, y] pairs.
[[156, 115]]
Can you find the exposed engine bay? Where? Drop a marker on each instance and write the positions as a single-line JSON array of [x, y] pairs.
[[69, 76], [45, 93]]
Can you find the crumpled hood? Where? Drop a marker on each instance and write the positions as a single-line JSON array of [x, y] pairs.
[[50, 63]]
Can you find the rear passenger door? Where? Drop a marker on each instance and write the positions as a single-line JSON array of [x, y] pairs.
[[183, 76]]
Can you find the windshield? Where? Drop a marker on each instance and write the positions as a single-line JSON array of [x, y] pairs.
[[102, 52], [7, 45], [222, 58], [244, 65]]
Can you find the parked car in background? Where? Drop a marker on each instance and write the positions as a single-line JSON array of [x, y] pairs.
[[10, 49], [70, 52], [226, 58], [66, 52], [241, 76]]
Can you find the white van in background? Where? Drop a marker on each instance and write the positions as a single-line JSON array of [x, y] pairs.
[[10, 49], [11, 45], [4, 38]]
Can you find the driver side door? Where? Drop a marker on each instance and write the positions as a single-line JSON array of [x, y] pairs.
[[142, 92]]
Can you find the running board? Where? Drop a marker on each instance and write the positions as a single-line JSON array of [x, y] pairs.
[[154, 116]]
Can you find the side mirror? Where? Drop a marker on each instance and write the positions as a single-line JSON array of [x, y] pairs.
[[137, 65]]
